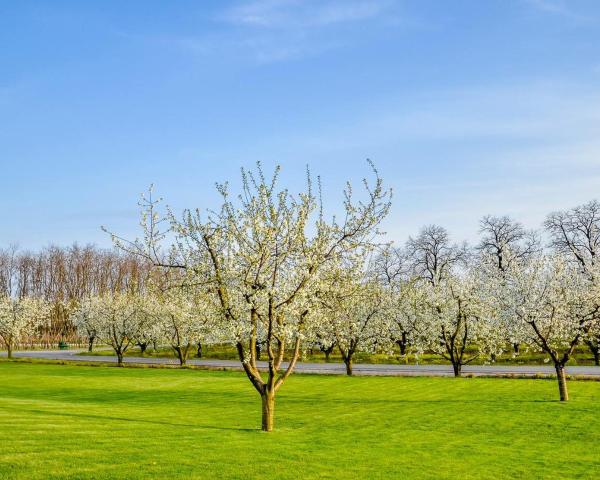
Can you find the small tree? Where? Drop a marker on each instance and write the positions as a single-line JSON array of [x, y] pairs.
[[149, 332], [575, 233], [117, 319], [558, 303], [19, 319], [392, 269], [456, 322], [354, 305], [84, 323], [405, 307], [185, 320]]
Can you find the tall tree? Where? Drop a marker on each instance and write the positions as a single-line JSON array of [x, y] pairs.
[[433, 255], [506, 241], [263, 255]]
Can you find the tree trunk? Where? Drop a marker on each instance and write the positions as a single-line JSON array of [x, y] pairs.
[[595, 349], [90, 344], [180, 355], [143, 347], [457, 367], [562, 382], [268, 411], [402, 343], [516, 348], [199, 350], [9, 353], [348, 362], [327, 354], [120, 359]]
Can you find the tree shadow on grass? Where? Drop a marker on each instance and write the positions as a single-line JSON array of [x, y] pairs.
[[370, 401], [126, 419]]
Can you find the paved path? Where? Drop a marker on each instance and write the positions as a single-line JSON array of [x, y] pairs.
[[328, 368]]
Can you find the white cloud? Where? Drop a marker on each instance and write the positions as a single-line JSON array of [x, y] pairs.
[[302, 14], [268, 31], [559, 8]]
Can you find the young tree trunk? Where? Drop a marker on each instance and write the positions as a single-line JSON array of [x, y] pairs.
[[348, 363], [327, 351], [119, 358], [199, 350], [90, 344], [268, 411], [595, 349], [402, 343], [516, 348], [457, 367], [180, 355], [562, 382], [143, 347], [9, 351]]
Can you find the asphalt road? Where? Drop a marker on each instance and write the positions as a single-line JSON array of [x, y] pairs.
[[330, 368]]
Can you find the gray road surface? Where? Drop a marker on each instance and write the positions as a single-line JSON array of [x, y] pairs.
[[330, 368]]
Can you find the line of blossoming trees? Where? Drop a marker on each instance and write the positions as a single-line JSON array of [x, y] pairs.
[[269, 271], [63, 277]]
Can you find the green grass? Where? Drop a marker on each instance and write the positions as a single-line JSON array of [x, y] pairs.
[[78, 422]]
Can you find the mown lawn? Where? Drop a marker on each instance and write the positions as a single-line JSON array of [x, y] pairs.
[[105, 422]]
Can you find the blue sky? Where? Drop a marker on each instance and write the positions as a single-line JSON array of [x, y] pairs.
[[467, 107]]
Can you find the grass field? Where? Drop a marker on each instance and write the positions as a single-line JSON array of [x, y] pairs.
[[72, 422]]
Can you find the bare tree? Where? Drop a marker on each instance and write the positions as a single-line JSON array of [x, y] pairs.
[[432, 255], [506, 240]]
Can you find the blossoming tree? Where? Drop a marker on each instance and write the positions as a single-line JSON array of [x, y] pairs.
[[263, 255], [456, 321], [353, 303], [186, 319], [117, 319], [575, 233], [559, 304], [401, 298], [19, 319]]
